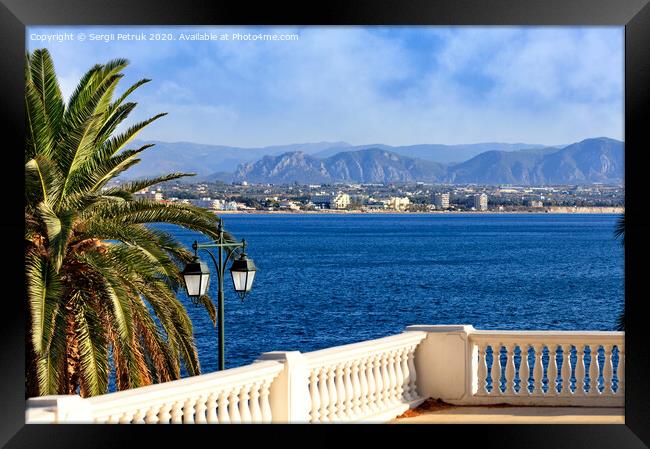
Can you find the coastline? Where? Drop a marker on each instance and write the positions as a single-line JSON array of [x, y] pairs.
[[550, 210]]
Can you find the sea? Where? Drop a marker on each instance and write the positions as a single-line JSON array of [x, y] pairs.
[[325, 280]]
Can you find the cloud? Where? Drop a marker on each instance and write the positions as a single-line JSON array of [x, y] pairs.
[[396, 85]]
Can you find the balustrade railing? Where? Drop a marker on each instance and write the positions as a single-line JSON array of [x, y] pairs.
[[238, 395], [373, 381], [364, 381], [542, 367]]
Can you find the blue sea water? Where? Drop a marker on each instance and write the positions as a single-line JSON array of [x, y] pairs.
[[328, 280]]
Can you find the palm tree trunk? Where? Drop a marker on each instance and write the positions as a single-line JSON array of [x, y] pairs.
[[71, 366]]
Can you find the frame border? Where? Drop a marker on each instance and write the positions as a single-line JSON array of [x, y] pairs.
[[15, 15]]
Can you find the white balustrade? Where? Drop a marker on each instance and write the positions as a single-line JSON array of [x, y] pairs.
[[373, 381], [380, 387], [234, 395], [550, 385]]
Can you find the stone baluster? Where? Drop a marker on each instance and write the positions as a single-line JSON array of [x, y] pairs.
[[551, 372], [200, 408], [608, 371], [163, 415], [372, 384], [524, 371], [126, 418], [392, 377], [593, 370], [188, 411], [138, 418], [151, 417], [496, 368], [324, 395], [265, 405], [314, 415], [580, 370], [379, 382], [244, 407], [481, 370], [331, 389], [267, 416], [341, 412], [405, 374], [256, 411], [349, 391], [233, 406], [399, 375], [177, 413], [566, 370], [412, 390], [222, 410], [358, 383], [383, 373], [212, 409], [367, 386], [538, 370], [621, 371], [510, 369]]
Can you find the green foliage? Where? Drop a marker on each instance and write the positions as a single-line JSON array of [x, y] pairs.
[[100, 283]]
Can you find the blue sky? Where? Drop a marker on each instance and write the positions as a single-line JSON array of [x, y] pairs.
[[391, 85]]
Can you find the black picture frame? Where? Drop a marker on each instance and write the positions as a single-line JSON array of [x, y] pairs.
[[15, 15]]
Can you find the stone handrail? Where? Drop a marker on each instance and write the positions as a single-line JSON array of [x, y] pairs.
[[464, 366], [238, 395], [373, 381], [554, 367]]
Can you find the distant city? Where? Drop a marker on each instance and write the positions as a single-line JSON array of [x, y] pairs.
[[585, 176], [406, 197]]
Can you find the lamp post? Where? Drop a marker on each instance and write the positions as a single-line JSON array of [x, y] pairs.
[[197, 276]]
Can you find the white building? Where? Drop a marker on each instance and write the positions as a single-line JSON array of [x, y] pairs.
[[341, 201], [148, 195], [338, 201], [481, 202], [397, 203], [289, 205], [207, 203], [441, 200]]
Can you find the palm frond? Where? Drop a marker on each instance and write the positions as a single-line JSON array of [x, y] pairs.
[[136, 186], [44, 102], [43, 181], [59, 229], [619, 230], [44, 291], [93, 350]]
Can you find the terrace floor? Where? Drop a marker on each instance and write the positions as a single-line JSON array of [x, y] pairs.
[[432, 412]]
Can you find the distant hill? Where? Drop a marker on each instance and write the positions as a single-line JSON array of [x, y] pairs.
[[591, 160], [208, 160], [368, 166], [441, 153]]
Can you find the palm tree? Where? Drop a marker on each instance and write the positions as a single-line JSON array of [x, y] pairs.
[[100, 284], [619, 232]]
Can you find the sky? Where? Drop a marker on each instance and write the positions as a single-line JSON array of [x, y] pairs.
[[362, 85]]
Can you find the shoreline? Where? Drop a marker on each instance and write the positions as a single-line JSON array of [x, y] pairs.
[[562, 211]]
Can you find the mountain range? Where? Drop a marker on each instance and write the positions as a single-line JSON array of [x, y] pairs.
[[220, 160], [597, 160], [591, 160]]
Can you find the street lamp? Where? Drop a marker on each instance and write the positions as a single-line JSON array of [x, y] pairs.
[[197, 277]]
